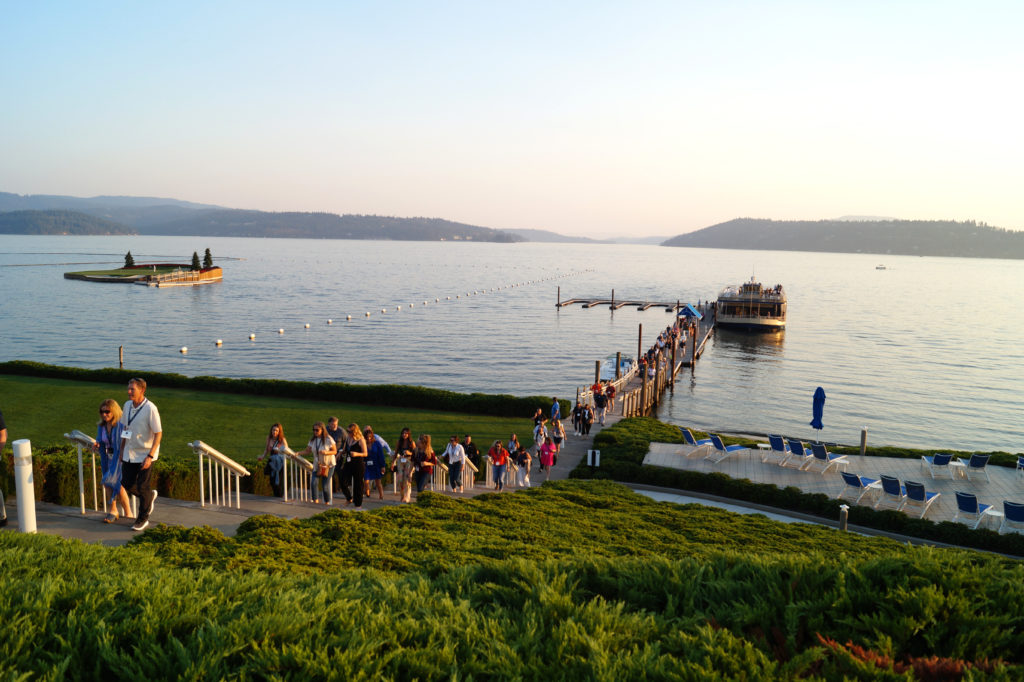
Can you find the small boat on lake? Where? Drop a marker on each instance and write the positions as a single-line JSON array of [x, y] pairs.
[[752, 306], [608, 367]]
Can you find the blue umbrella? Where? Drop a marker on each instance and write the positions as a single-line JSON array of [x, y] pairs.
[[817, 408]]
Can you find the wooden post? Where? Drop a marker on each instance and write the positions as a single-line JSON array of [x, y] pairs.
[[639, 336], [693, 349], [613, 299], [643, 393], [672, 386], [618, 365], [597, 371], [558, 304], [120, 357]]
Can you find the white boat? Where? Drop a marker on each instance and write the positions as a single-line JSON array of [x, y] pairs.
[[608, 367], [752, 306]]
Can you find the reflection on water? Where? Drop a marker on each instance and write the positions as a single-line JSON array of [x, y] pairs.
[[749, 345], [892, 349]]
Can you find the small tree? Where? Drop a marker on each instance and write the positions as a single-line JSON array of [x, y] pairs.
[[129, 262], [207, 260], [195, 261]]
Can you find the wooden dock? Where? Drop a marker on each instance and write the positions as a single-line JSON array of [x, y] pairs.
[[637, 394], [615, 305]]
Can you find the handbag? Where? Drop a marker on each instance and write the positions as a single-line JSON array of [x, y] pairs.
[[323, 470]]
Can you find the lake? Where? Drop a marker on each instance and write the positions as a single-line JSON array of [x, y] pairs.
[[924, 353]]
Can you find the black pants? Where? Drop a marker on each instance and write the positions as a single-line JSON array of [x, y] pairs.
[[354, 473], [135, 480], [586, 427]]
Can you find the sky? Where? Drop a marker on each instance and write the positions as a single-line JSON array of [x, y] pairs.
[[585, 118]]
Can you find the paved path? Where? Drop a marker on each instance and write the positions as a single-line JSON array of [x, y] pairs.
[[69, 522]]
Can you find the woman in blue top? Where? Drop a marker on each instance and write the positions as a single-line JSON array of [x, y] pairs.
[[375, 463], [108, 444]]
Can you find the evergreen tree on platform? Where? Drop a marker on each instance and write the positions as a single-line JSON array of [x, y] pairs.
[[129, 262], [195, 261], [207, 259]]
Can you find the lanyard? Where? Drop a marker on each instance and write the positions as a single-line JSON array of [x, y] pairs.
[[133, 414]]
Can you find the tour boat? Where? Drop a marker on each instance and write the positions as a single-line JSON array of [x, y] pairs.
[[752, 306], [608, 367]]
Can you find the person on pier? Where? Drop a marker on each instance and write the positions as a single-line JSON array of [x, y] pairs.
[[521, 456], [499, 457], [323, 449], [456, 456], [141, 435], [358, 450], [472, 451], [424, 459], [376, 463]]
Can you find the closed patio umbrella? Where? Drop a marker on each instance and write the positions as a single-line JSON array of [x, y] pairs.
[[818, 408]]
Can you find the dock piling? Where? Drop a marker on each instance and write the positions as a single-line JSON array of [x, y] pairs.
[[618, 365]]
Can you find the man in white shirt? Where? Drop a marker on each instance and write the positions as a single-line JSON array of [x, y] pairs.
[[456, 460], [141, 447]]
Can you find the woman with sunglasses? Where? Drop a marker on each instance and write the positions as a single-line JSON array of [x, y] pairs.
[[108, 444], [323, 449]]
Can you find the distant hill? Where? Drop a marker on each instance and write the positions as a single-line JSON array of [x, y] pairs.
[[58, 222], [902, 237], [547, 236], [157, 216]]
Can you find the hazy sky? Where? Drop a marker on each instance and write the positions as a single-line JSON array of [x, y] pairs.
[[592, 118]]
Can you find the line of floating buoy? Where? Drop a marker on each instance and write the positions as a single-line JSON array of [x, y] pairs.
[[330, 321]]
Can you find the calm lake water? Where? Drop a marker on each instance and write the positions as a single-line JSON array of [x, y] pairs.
[[925, 353]]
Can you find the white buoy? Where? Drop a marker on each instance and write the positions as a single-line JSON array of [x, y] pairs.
[[219, 342], [437, 300], [349, 317], [307, 325], [184, 349], [411, 305], [367, 313], [252, 336], [424, 303], [398, 308], [383, 310], [330, 321]]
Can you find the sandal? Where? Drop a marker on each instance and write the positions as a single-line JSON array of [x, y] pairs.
[[110, 518]]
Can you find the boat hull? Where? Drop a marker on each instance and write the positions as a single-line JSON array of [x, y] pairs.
[[751, 324]]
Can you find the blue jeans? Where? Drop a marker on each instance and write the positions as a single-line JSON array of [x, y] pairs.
[[423, 479], [455, 474], [324, 486], [499, 475]]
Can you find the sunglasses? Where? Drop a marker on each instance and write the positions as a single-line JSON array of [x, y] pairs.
[[104, 411]]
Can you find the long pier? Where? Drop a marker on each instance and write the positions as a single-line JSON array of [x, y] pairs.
[[638, 393], [615, 305]]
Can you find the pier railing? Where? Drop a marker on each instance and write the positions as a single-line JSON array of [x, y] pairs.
[[221, 473]]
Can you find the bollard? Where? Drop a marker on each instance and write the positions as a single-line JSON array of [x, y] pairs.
[[863, 441], [844, 511], [24, 485]]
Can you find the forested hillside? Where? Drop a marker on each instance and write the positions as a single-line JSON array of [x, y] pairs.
[[905, 237], [58, 222]]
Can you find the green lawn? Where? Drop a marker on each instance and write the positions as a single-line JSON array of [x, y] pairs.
[[43, 409], [131, 272]]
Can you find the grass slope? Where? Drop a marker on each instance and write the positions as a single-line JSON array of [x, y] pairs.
[[577, 580], [43, 409]]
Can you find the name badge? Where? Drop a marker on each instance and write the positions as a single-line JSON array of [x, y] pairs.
[[125, 435]]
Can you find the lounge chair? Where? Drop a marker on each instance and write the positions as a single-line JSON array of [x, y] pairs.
[[892, 491], [819, 454], [918, 497], [721, 450], [976, 466], [776, 448], [695, 446], [938, 462], [797, 453], [1013, 517], [967, 506], [1020, 465], [863, 484]]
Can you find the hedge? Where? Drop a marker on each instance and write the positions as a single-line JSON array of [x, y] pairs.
[[391, 395]]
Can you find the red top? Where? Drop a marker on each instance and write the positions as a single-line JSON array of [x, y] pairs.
[[498, 455]]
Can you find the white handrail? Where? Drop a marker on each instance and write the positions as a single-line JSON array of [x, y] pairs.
[[84, 440], [302, 471], [221, 469]]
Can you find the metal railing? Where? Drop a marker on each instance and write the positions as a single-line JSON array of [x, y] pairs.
[[301, 472], [82, 440], [221, 471]]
